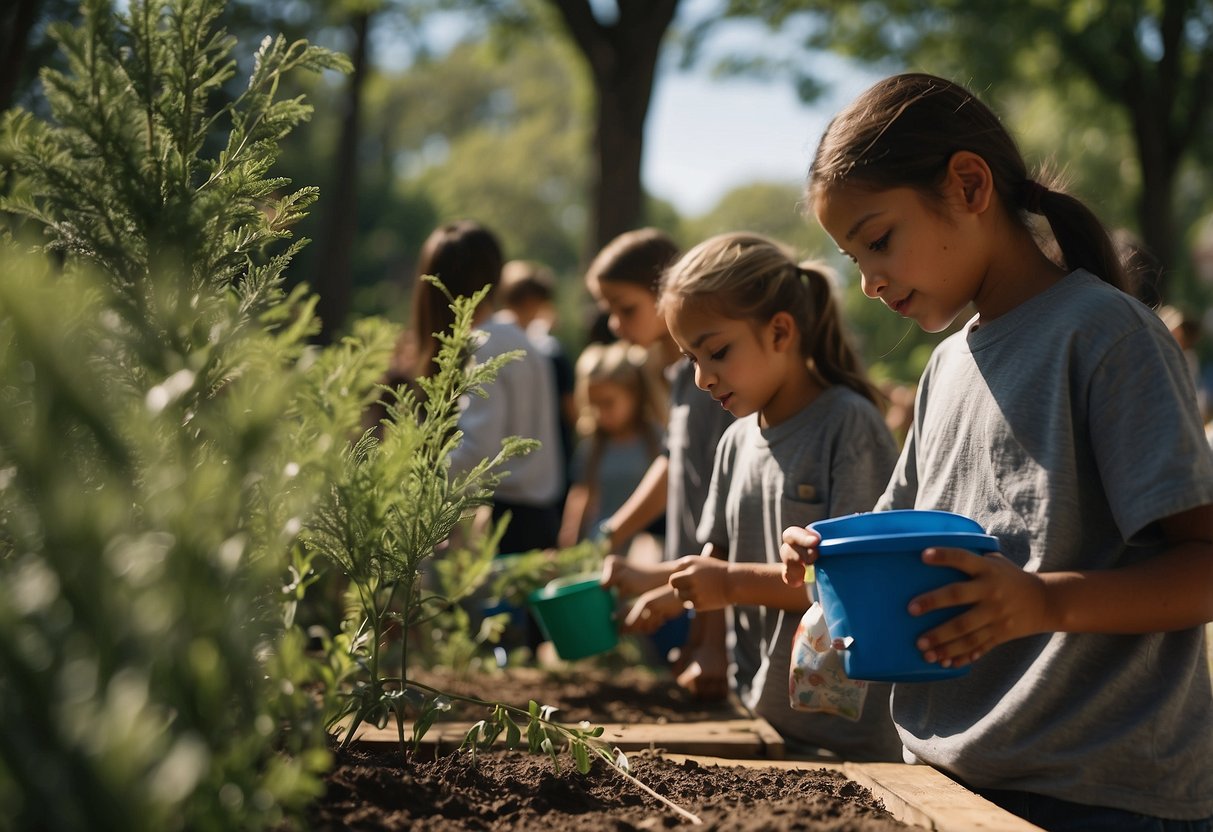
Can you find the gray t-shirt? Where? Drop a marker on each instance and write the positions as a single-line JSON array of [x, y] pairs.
[[832, 458], [521, 401], [1067, 428], [622, 464], [694, 427]]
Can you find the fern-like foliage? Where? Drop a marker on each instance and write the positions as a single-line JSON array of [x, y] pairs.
[[164, 433], [119, 178], [395, 502]]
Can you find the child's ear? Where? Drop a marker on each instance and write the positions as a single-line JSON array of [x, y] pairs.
[[783, 331], [970, 174]]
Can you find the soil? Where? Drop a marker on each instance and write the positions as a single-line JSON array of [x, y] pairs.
[[505, 790]]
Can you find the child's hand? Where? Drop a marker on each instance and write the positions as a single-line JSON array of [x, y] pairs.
[[706, 672], [706, 675], [631, 579], [799, 550], [1006, 603], [651, 610], [702, 582]]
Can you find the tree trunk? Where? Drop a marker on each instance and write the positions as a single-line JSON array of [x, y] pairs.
[[623, 63], [334, 272], [15, 25], [1156, 204]]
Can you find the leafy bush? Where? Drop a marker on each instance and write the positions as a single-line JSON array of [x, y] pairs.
[[164, 432]]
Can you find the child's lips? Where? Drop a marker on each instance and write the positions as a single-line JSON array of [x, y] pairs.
[[900, 306], [724, 400]]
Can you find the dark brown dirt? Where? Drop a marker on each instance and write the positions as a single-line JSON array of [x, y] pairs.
[[511, 791], [506, 790]]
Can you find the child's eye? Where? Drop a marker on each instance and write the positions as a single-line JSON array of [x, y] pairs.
[[881, 244], [719, 354]]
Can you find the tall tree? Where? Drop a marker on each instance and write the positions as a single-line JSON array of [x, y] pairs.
[[1150, 59], [334, 275], [622, 58]]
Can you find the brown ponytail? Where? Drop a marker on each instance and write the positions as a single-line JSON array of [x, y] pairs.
[[826, 343], [1083, 240]]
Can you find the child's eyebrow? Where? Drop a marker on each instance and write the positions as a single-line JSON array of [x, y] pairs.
[[698, 341], [858, 225]]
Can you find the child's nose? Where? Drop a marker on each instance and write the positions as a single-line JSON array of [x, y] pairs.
[[703, 379], [872, 284]]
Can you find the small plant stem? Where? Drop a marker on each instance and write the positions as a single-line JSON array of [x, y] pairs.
[[695, 819]]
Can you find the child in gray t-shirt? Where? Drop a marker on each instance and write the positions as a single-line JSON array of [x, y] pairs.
[[1063, 419], [809, 443]]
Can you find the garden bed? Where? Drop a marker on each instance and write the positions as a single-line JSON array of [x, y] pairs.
[[511, 790], [373, 786]]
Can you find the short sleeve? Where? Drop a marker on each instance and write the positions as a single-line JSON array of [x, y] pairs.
[[1146, 432], [713, 524]]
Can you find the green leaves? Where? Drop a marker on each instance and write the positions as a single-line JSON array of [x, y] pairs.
[[164, 429]]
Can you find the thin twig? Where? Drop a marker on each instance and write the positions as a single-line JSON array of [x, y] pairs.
[[693, 818]]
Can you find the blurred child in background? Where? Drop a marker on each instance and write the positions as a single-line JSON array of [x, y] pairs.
[[466, 257], [623, 279], [527, 295], [621, 434]]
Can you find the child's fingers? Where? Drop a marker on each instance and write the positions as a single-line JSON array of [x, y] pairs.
[[640, 620], [801, 538], [797, 551], [793, 573], [612, 566], [959, 651]]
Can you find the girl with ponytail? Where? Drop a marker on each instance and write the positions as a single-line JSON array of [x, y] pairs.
[[1061, 418], [764, 335]]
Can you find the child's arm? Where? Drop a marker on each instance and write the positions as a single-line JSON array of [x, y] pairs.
[[644, 505], [632, 579], [572, 524], [1171, 591], [711, 584]]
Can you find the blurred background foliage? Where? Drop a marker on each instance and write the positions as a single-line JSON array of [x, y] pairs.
[[527, 115]]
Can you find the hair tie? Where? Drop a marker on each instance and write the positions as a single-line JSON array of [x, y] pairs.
[[1033, 193]]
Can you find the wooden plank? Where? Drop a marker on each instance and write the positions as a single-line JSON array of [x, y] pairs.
[[941, 803], [741, 738], [916, 795]]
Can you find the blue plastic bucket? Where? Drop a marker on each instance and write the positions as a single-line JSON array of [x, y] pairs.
[[870, 567]]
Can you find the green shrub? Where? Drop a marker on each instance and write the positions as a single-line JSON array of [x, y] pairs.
[[164, 433]]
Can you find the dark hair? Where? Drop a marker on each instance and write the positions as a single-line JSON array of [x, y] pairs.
[[902, 132], [466, 257], [747, 276], [524, 280], [637, 257]]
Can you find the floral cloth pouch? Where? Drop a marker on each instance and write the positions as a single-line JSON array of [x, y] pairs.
[[816, 679]]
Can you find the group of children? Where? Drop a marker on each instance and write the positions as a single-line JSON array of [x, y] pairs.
[[1061, 417]]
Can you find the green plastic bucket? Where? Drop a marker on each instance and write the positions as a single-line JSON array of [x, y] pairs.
[[575, 613]]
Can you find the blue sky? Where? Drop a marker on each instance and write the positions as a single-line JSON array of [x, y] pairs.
[[706, 135]]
